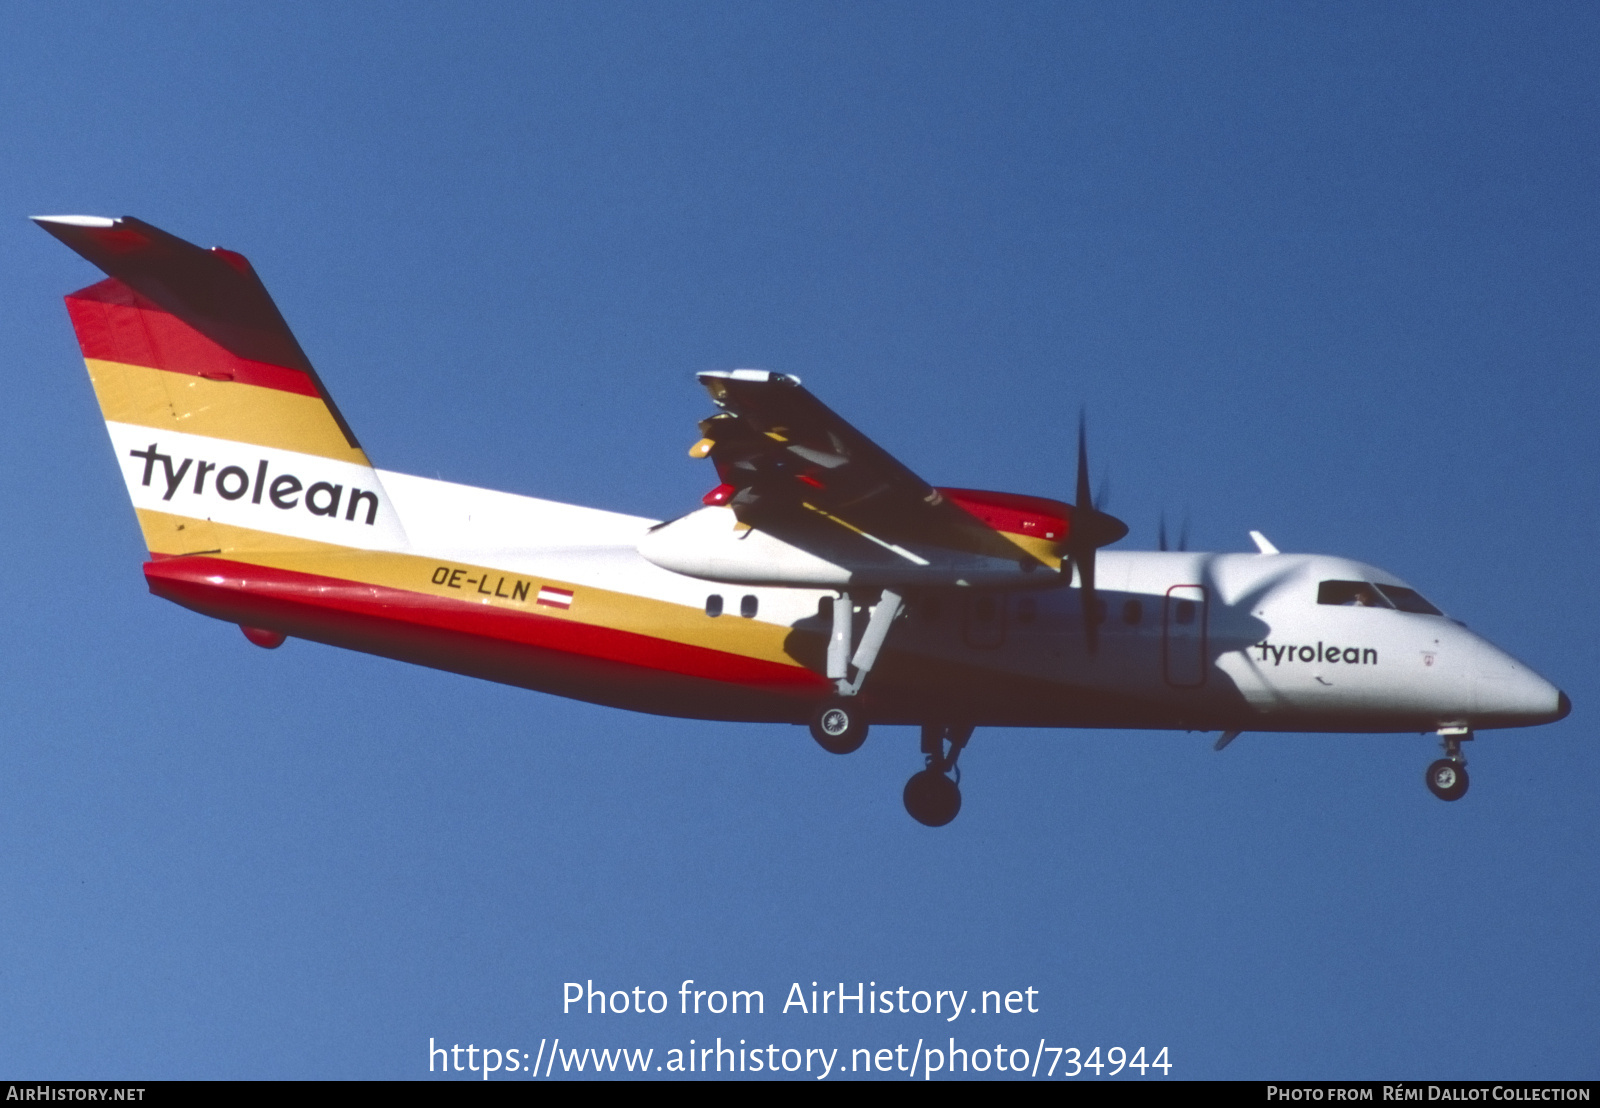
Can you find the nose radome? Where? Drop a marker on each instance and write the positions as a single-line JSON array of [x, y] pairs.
[[1513, 694]]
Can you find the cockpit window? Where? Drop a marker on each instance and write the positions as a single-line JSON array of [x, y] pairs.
[[1351, 594], [1366, 594], [1408, 600]]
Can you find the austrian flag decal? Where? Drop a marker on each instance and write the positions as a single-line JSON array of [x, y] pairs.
[[554, 598]]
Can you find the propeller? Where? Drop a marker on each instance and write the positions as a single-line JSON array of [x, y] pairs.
[[1091, 529]]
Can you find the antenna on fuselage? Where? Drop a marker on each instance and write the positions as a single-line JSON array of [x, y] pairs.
[[1183, 533]]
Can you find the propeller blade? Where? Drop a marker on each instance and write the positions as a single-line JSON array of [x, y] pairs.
[[1091, 529], [1161, 541], [1082, 545], [1084, 499], [1091, 604], [1183, 534]]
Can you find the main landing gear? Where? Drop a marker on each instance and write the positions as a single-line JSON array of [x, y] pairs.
[[932, 797], [840, 724], [1447, 778]]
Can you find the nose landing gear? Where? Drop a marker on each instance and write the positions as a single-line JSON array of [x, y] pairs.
[[1447, 778], [932, 797]]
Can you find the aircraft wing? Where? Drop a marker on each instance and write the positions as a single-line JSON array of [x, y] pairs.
[[795, 470]]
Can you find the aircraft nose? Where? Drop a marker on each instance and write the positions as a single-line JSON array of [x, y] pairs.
[[1512, 694]]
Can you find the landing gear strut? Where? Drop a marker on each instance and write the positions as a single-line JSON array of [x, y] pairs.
[[839, 724], [1447, 778], [932, 797]]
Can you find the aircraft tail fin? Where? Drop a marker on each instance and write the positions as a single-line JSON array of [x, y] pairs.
[[226, 436]]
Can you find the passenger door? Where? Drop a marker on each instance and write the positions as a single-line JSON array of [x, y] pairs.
[[1183, 636]]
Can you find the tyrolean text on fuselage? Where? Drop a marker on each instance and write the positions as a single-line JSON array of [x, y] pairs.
[[1324, 653]]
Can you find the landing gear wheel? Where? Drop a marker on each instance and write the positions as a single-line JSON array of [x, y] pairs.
[[1447, 779], [839, 727], [932, 798]]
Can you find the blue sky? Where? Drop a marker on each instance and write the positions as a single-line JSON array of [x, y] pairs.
[[1324, 270]]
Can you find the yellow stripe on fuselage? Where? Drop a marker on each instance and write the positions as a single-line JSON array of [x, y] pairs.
[[219, 409], [473, 584]]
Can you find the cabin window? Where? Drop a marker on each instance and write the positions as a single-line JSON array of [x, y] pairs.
[[1027, 610], [825, 607], [1132, 613], [983, 620], [748, 607], [714, 604], [1183, 612]]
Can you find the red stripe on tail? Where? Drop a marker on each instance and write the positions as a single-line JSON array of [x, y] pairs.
[[116, 324]]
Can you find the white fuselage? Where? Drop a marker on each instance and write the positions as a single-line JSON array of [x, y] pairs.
[[1188, 639]]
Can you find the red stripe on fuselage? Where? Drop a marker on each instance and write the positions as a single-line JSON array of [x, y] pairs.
[[116, 324], [396, 623]]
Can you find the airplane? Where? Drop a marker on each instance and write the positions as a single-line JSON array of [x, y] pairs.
[[819, 582]]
